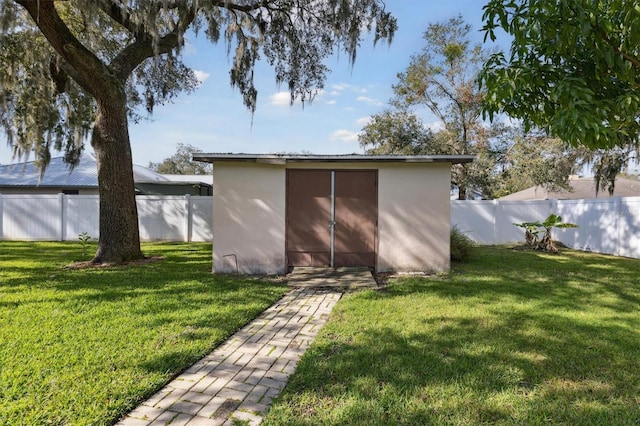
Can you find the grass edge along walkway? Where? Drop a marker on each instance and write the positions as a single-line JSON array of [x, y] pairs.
[[86, 346], [238, 380], [508, 338]]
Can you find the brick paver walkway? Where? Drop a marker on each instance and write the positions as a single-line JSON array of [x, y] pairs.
[[240, 378]]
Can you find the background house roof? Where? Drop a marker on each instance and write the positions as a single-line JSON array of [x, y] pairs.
[[57, 174], [296, 158], [85, 175], [208, 179], [581, 188]]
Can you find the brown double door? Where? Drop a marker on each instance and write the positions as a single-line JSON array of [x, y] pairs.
[[331, 217]]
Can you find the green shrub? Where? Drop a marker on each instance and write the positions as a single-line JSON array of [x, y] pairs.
[[461, 245]]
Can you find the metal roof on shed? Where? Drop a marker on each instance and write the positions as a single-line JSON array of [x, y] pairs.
[[345, 158]]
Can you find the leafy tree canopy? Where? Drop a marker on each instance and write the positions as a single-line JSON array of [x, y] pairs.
[[48, 100], [396, 133], [507, 159], [573, 68], [608, 164], [442, 78], [181, 162], [534, 159], [73, 68]]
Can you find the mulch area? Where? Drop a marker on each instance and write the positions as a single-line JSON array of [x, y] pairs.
[[89, 264]]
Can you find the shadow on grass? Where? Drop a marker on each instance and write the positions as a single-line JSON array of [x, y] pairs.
[[41, 265], [181, 282], [570, 281], [107, 338], [510, 338], [469, 374]]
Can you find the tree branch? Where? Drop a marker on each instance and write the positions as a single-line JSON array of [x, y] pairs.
[[120, 16], [143, 47], [632, 60], [90, 72], [135, 53], [628, 57], [242, 8]]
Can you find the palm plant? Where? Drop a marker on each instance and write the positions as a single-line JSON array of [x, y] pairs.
[[532, 229], [530, 233]]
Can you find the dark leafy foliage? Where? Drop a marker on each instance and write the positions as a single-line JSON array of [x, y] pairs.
[[573, 68]]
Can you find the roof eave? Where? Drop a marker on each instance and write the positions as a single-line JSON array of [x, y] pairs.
[[169, 183], [355, 158]]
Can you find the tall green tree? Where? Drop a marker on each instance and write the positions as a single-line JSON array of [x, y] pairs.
[[73, 68], [573, 68], [400, 132], [534, 159], [506, 161], [393, 132], [443, 78], [181, 162], [608, 164]]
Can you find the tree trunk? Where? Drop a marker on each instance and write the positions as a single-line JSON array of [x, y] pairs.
[[461, 177], [119, 234]]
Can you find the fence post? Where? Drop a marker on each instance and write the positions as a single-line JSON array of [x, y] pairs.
[[617, 208], [496, 205], [63, 215], [188, 218], [1, 217]]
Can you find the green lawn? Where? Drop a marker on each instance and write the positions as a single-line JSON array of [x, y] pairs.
[[510, 337], [85, 346]]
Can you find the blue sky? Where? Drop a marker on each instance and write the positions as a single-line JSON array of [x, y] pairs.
[[214, 119]]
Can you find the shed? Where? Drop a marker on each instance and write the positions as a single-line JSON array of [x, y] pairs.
[[275, 212]]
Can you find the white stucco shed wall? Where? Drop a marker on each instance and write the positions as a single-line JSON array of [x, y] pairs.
[[248, 218], [249, 215], [414, 217]]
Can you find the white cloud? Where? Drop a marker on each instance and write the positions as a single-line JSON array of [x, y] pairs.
[[319, 95], [368, 100], [201, 76], [331, 102], [361, 122], [189, 47], [435, 126], [340, 87], [344, 136], [284, 98], [280, 99]]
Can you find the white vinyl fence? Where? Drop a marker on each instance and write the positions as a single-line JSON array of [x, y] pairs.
[[60, 217], [606, 225]]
